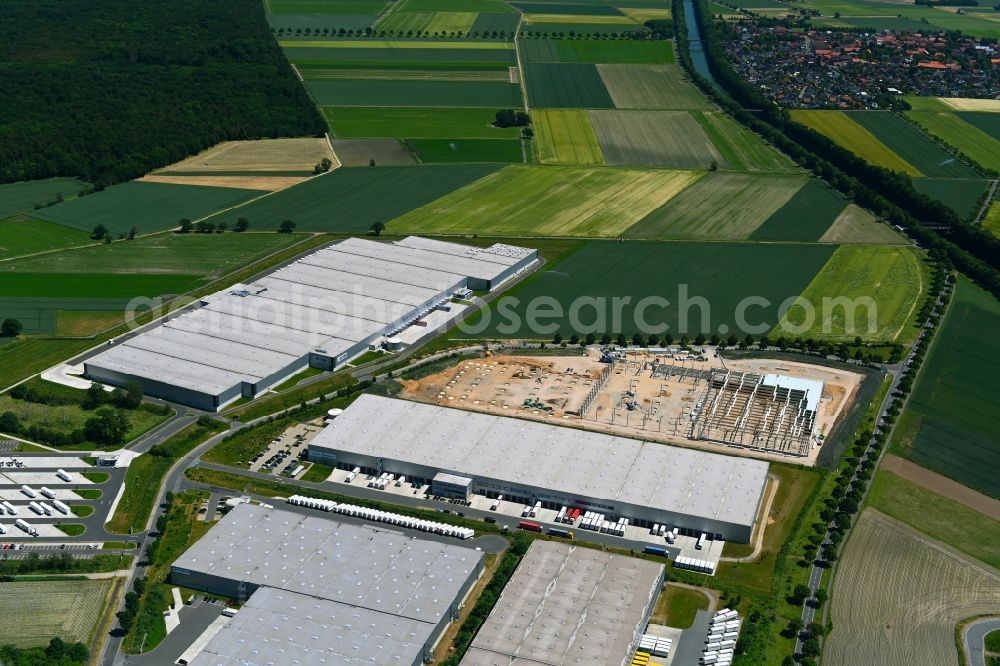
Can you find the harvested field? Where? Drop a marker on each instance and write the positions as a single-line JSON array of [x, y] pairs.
[[566, 85], [365, 92], [844, 131], [361, 152], [146, 206], [418, 123], [442, 151], [950, 423], [805, 217], [856, 225], [565, 136], [651, 87], [916, 148], [884, 284], [261, 183], [741, 149], [351, 199], [976, 144], [672, 139], [966, 104], [898, 596], [35, 612], [719, 206], [596, 51], [605, 270], [24, 235], [261, 155], [22, 197], [547, 201]]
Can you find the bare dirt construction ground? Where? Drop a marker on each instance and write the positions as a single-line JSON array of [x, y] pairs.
[[555, 389], [260, 155], [898, 596], [942, 485], [267, 183]]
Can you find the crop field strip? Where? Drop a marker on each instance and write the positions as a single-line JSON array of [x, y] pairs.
[[912, 145], [364, 152], [670, 139], [547, 201], [565, 136], [952, 128], [444, 151], [595, 51], [961, 195], [847, 133], [490, 22], [36, 611], [399, 22], [805, 217], [350, 200], [590, 9], [651, 87], [856, 225], [558, 85], [24, 235], [22, 197], [610, 269], [40, 316], [147, 206], [720, 206], [578, 26], [892, 277], [985, 121], [492, 6], [365, 92], [418, 123], [399, 74], [741, 149], [885, 573], [544, 21], [92, 285], [950, 423]]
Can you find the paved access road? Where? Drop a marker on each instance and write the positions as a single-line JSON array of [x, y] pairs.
[[974, 639]]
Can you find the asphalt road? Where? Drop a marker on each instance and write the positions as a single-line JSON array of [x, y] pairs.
[[974, 638]]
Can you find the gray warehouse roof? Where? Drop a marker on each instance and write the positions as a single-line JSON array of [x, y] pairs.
[[569, 460], [281, 627], [334, 299], [369, 568], [568, 605]]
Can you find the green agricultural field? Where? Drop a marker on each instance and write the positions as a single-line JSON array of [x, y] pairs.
[[335, 46], [604, 270], [844, 131], [805, 217], [92, 285], [442, 151], [349, 71], [146, 206], [566, 85], [492, 6], [350, 200], [936, 516], [580, 27], [543, 21], [914, 146], [40, 315], [386, 54], [419, 123], [950, 423], [324, 7], [565, 136], [651, 87], [741, 149], [885, 284], [24, 235], [489, 23], [973, 142], [24, 196], [988, 122], [362, 152], [671, 139], [582, 9], [205, 255], [961, 195], [991, 222], [596, 51], [402, 22], [492, 94], [720, 206], [547, 201], [36, 612]]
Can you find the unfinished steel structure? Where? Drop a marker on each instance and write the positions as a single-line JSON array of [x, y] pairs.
[[767, 412]]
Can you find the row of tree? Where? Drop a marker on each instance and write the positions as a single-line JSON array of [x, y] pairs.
[[107, 91], [57, 653]]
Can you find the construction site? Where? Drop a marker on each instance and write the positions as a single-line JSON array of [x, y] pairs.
[[764, 407]]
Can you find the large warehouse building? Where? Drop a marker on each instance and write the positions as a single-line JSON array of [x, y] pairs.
[[527, 461], [319, 591], [567, 605], [319, 311]]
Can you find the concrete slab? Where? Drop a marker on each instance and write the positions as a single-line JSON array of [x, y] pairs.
[[28, 463], [48, 479]]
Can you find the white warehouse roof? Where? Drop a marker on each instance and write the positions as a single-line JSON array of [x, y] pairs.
[[568, 605], [336, 299], [569, 460]]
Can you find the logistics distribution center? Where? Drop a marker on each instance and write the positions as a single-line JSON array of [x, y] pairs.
[[325, 592], [463, 453], [319, 311], [568, 605]]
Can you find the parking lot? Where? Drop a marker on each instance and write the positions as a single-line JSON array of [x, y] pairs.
[[286, 453]]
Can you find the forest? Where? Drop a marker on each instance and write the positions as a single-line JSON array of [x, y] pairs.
[[107, 91]]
